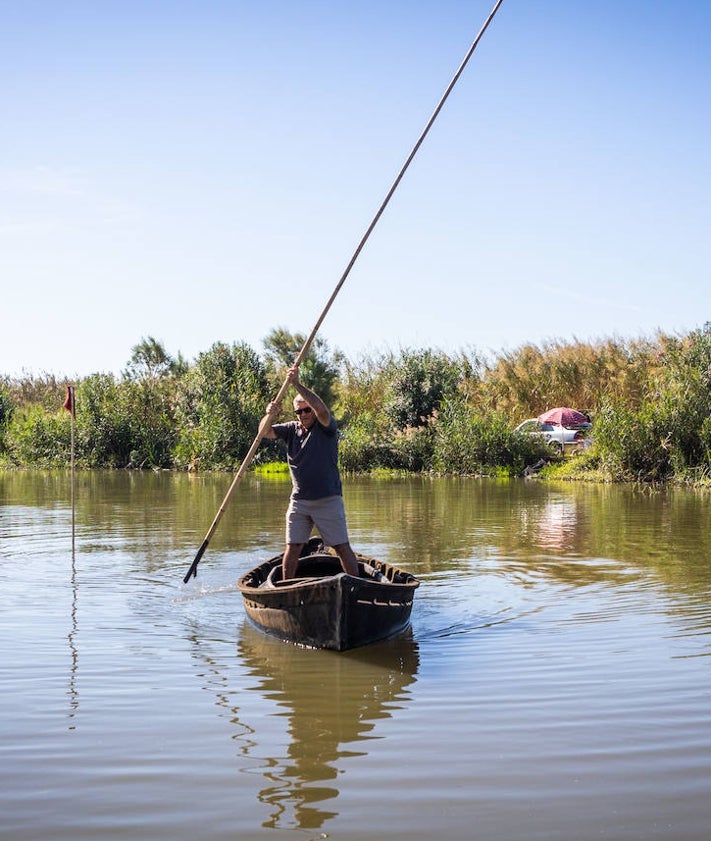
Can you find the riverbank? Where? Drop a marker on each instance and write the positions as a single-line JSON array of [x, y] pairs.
[[420, 411]]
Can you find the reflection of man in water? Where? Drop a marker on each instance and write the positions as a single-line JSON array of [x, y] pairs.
[[331, 711], [316, 496]]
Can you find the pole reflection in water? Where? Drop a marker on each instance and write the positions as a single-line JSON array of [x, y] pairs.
[[333, 703], [72, 691]]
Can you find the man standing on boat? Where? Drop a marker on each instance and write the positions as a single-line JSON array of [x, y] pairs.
[[316, 495]]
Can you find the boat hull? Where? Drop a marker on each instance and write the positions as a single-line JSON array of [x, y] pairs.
[[324, 607]]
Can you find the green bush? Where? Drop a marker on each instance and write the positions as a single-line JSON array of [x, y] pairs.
[[470, 443], [418, 383], [360, 448], [41, 439], [705, 443], [417, 410], [7, 408], [633, 446], [219, 404], [411, 449], [104, 435], [667, 436]]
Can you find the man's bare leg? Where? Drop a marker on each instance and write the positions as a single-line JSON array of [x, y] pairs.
[[290, 560], [349, 562]]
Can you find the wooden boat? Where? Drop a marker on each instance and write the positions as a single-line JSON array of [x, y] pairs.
[[324, 607]]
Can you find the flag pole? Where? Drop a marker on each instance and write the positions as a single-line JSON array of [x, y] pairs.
[[70, 406]]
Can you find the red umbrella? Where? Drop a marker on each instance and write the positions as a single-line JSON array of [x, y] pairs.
[[563, 416]]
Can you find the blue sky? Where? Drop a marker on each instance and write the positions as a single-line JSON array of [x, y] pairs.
[[202, 172]]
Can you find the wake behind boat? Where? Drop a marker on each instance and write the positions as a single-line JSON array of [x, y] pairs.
[[324, 607]]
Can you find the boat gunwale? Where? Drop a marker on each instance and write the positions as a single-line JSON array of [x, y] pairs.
[[255, 579]]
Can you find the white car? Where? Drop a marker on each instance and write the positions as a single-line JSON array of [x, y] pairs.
[[559, 438]]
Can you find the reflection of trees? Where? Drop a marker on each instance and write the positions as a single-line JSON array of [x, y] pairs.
[[441, 524], [332, 702], [426, 524], [443, 521]]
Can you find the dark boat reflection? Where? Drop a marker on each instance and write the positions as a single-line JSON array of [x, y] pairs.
[[333, 702]]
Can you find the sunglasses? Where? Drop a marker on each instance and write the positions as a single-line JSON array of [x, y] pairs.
[[306, 410]]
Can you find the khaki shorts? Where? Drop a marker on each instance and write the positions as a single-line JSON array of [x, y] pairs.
[[327, 514]]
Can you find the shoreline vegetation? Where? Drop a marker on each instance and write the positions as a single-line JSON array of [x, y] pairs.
[[414, 410]]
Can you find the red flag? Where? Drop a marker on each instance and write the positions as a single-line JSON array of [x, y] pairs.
[[69, 400]]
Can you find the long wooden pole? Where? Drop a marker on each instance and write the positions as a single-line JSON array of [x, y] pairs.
[[73, 471], [70, 406], [312, 335]]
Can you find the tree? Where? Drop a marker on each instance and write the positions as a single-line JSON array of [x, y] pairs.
[[319, 369], [419, 381], [219, 404], [6, 409], [150, 360], [147, 393]]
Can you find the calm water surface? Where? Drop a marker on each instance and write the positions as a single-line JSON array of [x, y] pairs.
[[556, 682]]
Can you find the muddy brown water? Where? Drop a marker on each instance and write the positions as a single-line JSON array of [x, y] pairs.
[[555, 682]]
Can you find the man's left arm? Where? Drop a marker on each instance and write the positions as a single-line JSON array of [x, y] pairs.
[[321, 410]]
